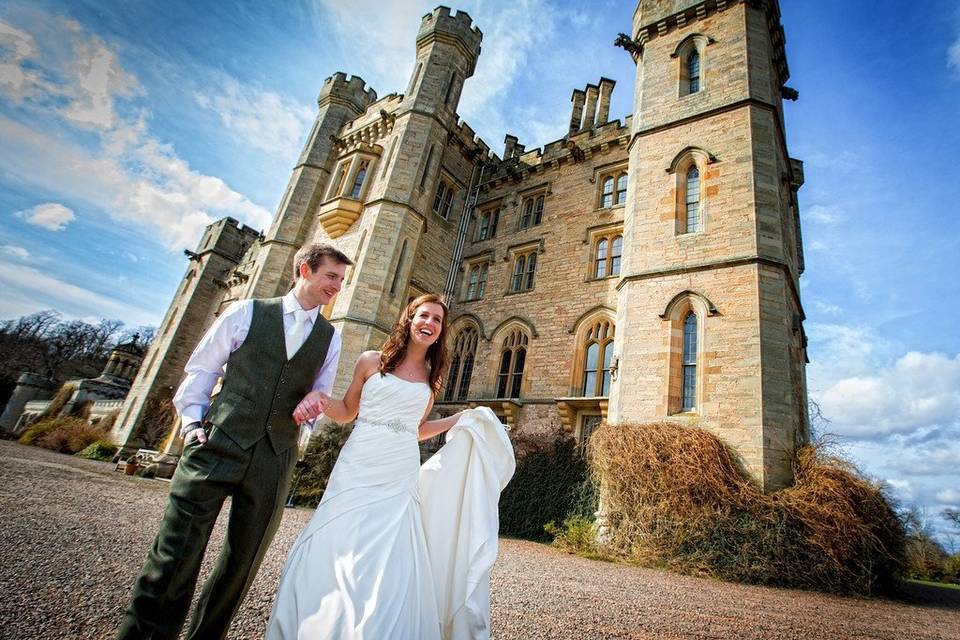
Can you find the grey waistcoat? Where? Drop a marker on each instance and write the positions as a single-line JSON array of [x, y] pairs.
[[261, 387]]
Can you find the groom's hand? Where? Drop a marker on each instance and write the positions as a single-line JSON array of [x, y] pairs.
[[312, 405], [192, 431]]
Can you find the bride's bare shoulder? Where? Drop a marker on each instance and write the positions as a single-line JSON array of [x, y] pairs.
[[368, 362]]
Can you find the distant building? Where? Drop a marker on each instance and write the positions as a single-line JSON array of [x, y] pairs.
[[628, 271], [103, 395]]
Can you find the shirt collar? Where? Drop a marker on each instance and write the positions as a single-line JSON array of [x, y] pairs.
[[291, 304]]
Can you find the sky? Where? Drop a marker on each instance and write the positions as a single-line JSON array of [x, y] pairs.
[[125, 128]]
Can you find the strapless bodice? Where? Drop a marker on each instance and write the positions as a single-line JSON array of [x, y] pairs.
[[393, 403]]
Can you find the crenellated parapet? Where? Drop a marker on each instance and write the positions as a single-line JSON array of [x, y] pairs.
[[656, 18], [455, 28], [350, 90], [519, 163]]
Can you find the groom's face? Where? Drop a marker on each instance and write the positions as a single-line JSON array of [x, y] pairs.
[[318, 287]]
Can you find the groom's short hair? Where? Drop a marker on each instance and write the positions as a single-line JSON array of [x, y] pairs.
[[313, 255]]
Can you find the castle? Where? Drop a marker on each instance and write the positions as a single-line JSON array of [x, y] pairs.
[[629, 271]]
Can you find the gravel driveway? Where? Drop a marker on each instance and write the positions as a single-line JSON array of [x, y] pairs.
[[73, 535]]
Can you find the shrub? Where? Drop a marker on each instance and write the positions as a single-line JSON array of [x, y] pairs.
[[318, 461], [68, 435], [576, 535], [676, 497], [99, 450], [59, 401], [37, 429], [551, 483]]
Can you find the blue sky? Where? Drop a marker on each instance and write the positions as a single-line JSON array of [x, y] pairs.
[[125, 131]]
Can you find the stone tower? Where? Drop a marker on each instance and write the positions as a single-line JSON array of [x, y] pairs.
[[709, 321], [386, 220], [211, 273]]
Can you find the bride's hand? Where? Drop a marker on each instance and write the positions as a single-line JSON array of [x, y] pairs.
[[312, 405]]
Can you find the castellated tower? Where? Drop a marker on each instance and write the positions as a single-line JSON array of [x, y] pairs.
[[397, 188], [709, 321], [213, 272]]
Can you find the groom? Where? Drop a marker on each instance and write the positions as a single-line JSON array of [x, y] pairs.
[[243, 445]]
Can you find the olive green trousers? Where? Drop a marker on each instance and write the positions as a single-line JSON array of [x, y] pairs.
[[257, 481]]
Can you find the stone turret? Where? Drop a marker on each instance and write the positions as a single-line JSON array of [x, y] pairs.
[[731, 348], [447, 49], [30, 386], [194, 307], [341, 99]]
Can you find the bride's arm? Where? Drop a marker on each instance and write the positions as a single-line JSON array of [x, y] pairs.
[[345, 409], [431, 428]]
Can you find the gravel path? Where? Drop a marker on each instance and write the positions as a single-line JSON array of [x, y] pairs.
[[73, 535]]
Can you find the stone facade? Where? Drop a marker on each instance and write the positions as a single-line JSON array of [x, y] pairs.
[[571, 270]]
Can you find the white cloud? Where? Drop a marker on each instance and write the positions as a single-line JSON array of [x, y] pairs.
[[953, 56], [49, 215], [949, 496], [124, 170], [94, 80], [16, 48], [266, 120], [27, 290], [15, 251], [827, 308], [390, 31], [920, 391], [824, 214]]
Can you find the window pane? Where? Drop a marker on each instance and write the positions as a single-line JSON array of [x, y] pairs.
[[358, 183], [452, 377], [484, 227], [518, 362], [504, 376], [593, 353], [615, 254], [600, 267], [690, 339], [607, 195], [438, 199], [472, 286], [693, 217], [447, 203], [693, 200], [589, 383], [689, 400], [531, 268], [693, 72], [621, 189], [518, 268], [465, 377], [538, 212], [527, 213], [483, 281]]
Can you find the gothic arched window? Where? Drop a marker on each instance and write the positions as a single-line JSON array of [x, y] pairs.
[[461, 364], [692, 200], [513, 355], [693, 72], [597, 358], [688, 395], [358, 181], [606, 194]]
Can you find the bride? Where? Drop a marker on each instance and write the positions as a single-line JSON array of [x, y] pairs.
[[396, 550]]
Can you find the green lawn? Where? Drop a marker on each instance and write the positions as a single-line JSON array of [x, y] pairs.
[[945, 585]]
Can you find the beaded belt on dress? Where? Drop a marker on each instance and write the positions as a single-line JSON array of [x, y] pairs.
[[396, 426]]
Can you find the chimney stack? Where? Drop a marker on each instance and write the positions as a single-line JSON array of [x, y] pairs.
[[590, 109], [510, 143], [577, 114], [606, 91]]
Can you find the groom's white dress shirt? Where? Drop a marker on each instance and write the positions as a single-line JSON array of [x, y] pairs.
[[208, 362]]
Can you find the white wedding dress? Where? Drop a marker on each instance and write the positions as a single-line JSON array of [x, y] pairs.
[[398, 551]]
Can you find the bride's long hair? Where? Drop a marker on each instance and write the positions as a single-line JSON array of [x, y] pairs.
[[395, 348]]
